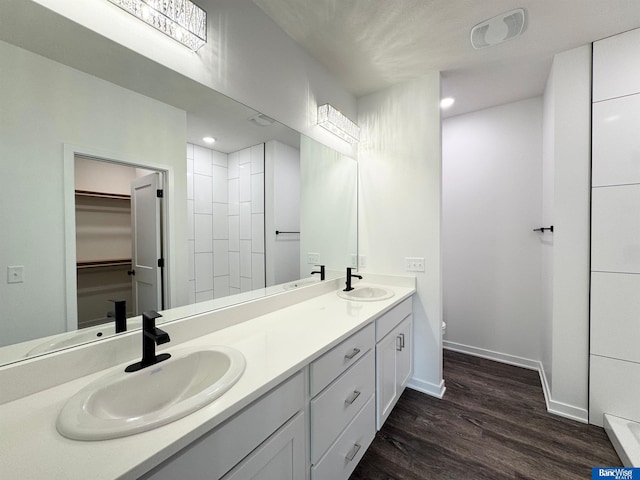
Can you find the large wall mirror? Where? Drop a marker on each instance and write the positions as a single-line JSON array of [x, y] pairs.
[[109, 192]]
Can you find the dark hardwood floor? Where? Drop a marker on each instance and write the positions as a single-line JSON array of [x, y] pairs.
[[491, 424]]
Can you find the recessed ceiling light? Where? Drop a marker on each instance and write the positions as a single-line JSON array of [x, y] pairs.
[[208, 139], [447, 102]]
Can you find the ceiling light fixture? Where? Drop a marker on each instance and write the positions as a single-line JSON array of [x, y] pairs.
[[447, 102], [338, 124], [182, 20], [208, 140]]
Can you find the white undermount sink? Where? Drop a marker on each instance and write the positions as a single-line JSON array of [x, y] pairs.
[[366, 294], [120, 404]]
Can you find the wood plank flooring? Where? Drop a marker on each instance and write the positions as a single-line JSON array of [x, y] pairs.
[[491, 424]]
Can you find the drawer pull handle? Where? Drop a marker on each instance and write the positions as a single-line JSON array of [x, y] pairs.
[[353, 353], [398, 343], [354, 451], [352, 397], [402, 339]]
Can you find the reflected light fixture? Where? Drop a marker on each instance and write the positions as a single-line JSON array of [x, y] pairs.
[[447, 102], [338, 124], [182, 20], [208, 140]]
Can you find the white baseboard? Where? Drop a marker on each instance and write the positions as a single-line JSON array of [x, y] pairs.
[[557, 408], [435, 390]]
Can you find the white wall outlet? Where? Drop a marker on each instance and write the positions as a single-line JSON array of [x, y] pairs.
[[354, 261], [362, 261], [15, 274], [414, 264], [313, 258]]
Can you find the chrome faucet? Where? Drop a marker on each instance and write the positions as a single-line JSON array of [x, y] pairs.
[[321, 272], [349, 277], [151, 335]]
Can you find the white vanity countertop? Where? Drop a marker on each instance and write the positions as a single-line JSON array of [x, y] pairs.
[[275, 345]]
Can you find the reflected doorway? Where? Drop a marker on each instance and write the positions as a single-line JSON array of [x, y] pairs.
[[119, 241]]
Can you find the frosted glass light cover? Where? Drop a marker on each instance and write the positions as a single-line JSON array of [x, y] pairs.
[[182, 20], [338, 124]]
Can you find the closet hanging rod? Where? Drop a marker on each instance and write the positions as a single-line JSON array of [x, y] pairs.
[[104, 263], [542, 229], [88, 193], [278, 232]]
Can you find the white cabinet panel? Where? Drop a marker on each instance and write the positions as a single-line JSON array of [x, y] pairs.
[[348, 449], [616, 143], [388, 321], [394, 361], [334, 408], [281, 457], [341, 357], [214, 454], [615, 229], [614, 388], [615, 315], [614, 72], [405, 355]]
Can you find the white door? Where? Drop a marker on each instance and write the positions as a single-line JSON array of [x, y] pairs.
[[146, 247]]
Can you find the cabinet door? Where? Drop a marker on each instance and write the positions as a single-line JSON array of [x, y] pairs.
[[280, 457], [386, 382], [405, 354]]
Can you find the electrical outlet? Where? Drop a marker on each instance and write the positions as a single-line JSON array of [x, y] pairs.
[[362, 261], [313, 258], [15, 274], [354, 261], [414, 264]]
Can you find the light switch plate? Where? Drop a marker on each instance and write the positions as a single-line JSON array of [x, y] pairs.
[[414, 264], [15, 274]]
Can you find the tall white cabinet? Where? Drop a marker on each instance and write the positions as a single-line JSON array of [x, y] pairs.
[[615, 229]]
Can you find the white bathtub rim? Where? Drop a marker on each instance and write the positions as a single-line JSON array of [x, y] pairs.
[[624, 441]]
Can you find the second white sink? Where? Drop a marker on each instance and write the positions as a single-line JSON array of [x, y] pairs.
[[366, 294], [121, 404]]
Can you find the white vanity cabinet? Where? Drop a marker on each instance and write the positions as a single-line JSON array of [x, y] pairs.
[[265, 441], [342, 408], [394, 358]]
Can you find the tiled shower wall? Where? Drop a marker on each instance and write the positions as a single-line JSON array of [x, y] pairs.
[[225, 198]]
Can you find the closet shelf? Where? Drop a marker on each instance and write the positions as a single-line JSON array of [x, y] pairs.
[[88, 193], [104, 263]]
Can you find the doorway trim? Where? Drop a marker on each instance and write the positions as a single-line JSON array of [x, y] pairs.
[[70, 152]]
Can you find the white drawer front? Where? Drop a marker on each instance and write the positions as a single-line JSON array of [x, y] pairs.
[[337, 360], [614, 75], [333, 409], [615, 315], [615, 229], [347, 451], [616, 144], [393, 317]]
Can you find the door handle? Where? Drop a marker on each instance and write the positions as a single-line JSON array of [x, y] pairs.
[[398, 343], [402, 340], [131, 272]]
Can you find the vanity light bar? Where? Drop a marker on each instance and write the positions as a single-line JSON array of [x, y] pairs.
[[182, 20], [338, 124]]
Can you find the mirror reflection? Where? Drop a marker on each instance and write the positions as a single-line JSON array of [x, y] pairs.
[[85, 152]]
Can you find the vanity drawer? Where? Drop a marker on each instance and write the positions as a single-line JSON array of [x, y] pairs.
[[347, 451], [333, 409], [325, 369], [388, 321]]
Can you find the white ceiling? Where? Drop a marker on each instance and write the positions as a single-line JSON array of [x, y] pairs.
[[371, 44]]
